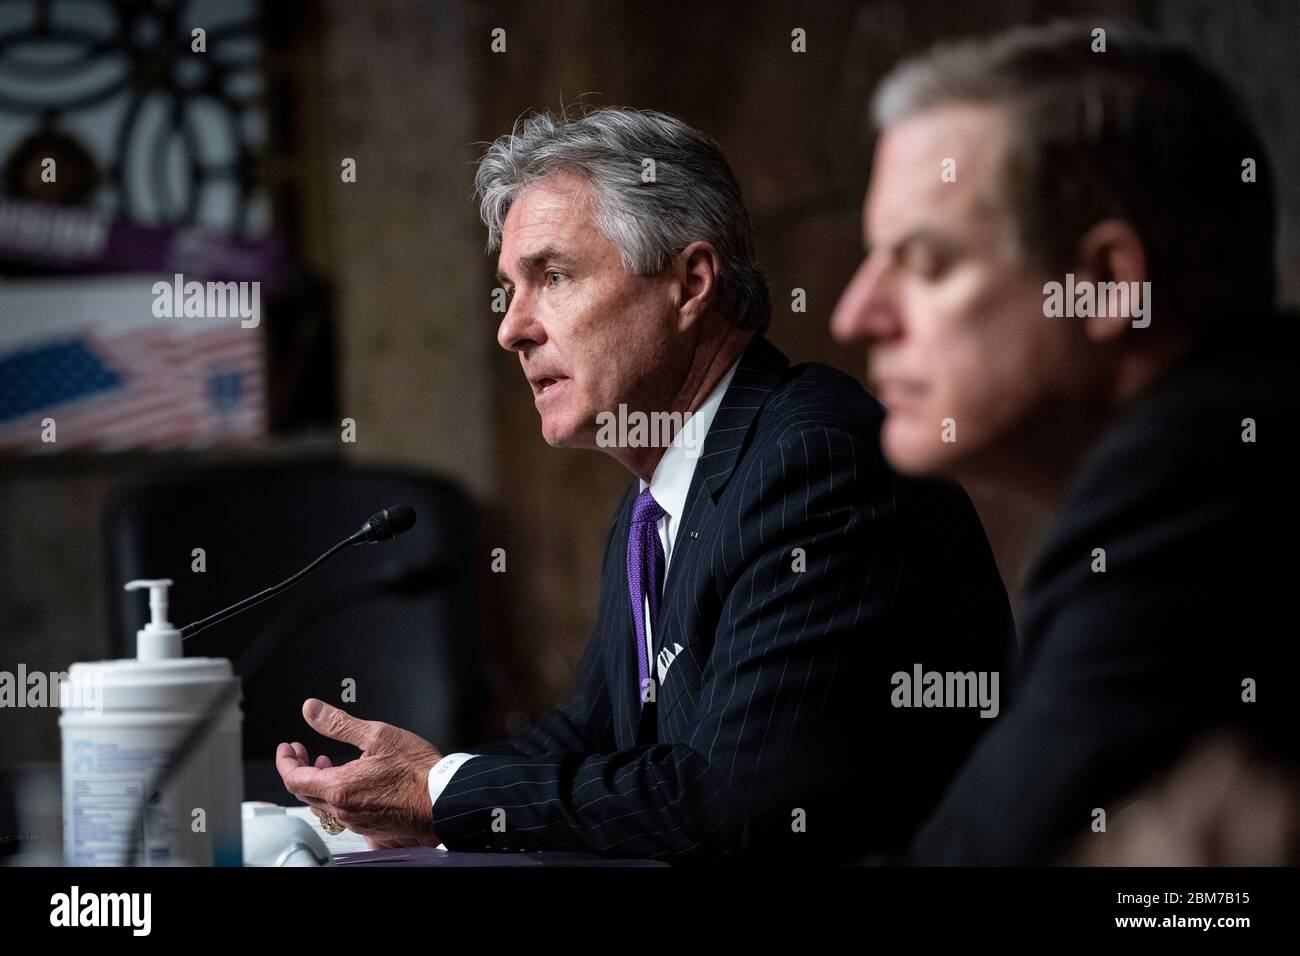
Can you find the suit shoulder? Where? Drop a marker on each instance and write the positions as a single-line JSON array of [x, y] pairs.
[[1181, 478], [1197, 432], [815, 396]]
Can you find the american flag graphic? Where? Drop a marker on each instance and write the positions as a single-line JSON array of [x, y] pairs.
[[167, 384]]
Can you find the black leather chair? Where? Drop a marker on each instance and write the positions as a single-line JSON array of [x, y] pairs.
[[396, 618]]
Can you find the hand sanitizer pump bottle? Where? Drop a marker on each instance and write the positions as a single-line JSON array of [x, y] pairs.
[[152, 770]]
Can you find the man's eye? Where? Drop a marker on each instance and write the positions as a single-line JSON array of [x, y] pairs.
[[552, 278], [926, 264]]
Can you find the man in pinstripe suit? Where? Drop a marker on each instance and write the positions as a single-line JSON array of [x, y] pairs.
[[766, 576]]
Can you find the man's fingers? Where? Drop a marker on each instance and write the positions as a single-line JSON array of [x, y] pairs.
[[304, 782], [338, 724], [301, 752], [323, 761], [286, 760]]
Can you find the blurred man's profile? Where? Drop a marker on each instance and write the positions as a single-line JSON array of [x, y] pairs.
[[1068, 297]]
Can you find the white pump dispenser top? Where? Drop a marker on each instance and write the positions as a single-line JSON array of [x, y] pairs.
[[157, 640]]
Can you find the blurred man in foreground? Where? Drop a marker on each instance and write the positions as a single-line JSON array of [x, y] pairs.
[[1069, 297]]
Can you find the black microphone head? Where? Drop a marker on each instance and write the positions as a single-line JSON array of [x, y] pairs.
[[389, 523]]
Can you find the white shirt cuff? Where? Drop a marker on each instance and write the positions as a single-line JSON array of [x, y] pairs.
[[441, 773]]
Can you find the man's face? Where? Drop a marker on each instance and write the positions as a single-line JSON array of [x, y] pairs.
[[589, 336], [960, 353]]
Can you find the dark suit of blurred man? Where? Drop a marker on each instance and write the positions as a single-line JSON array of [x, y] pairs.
[[1098, 321]]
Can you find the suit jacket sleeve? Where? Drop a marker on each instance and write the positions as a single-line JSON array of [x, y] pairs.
[[770, 674]]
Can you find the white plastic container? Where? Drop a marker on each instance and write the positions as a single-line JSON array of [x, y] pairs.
[[117, 740]]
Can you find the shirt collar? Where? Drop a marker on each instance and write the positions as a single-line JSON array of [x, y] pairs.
[[671, 481]]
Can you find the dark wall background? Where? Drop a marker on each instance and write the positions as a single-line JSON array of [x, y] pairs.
[[407, 89]]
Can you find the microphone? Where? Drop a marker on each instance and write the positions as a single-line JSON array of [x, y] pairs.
[[381, 526], [389, 523]]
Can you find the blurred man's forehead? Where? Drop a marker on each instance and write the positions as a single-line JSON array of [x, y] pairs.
[[941, 167]]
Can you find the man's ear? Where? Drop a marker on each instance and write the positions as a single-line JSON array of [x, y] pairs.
[[1112, 251], [696, 269]]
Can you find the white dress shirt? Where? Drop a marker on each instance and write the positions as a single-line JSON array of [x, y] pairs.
[[669, 485], [671, 482]]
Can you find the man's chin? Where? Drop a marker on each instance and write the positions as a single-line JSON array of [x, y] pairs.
[[910, 451], [564, 434], [557, 439]]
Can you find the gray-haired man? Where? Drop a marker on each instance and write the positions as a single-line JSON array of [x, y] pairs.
[[767, 578]]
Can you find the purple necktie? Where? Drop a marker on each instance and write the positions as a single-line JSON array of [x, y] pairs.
[[645, 563]]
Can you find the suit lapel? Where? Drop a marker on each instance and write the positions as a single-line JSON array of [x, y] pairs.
[[760, 370]]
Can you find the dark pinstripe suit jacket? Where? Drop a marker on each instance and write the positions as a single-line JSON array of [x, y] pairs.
[[772, 733]]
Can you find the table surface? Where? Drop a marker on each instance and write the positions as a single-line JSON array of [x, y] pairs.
[[429, 856], [41, 789]]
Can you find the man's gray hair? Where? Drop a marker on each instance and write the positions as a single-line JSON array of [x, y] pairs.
[[1142, 132], [693, 195]]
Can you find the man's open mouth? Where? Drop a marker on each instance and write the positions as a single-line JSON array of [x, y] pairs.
[[543, 384]]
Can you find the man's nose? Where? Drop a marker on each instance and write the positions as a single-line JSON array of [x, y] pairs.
[[866, 310], [520, 328]]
